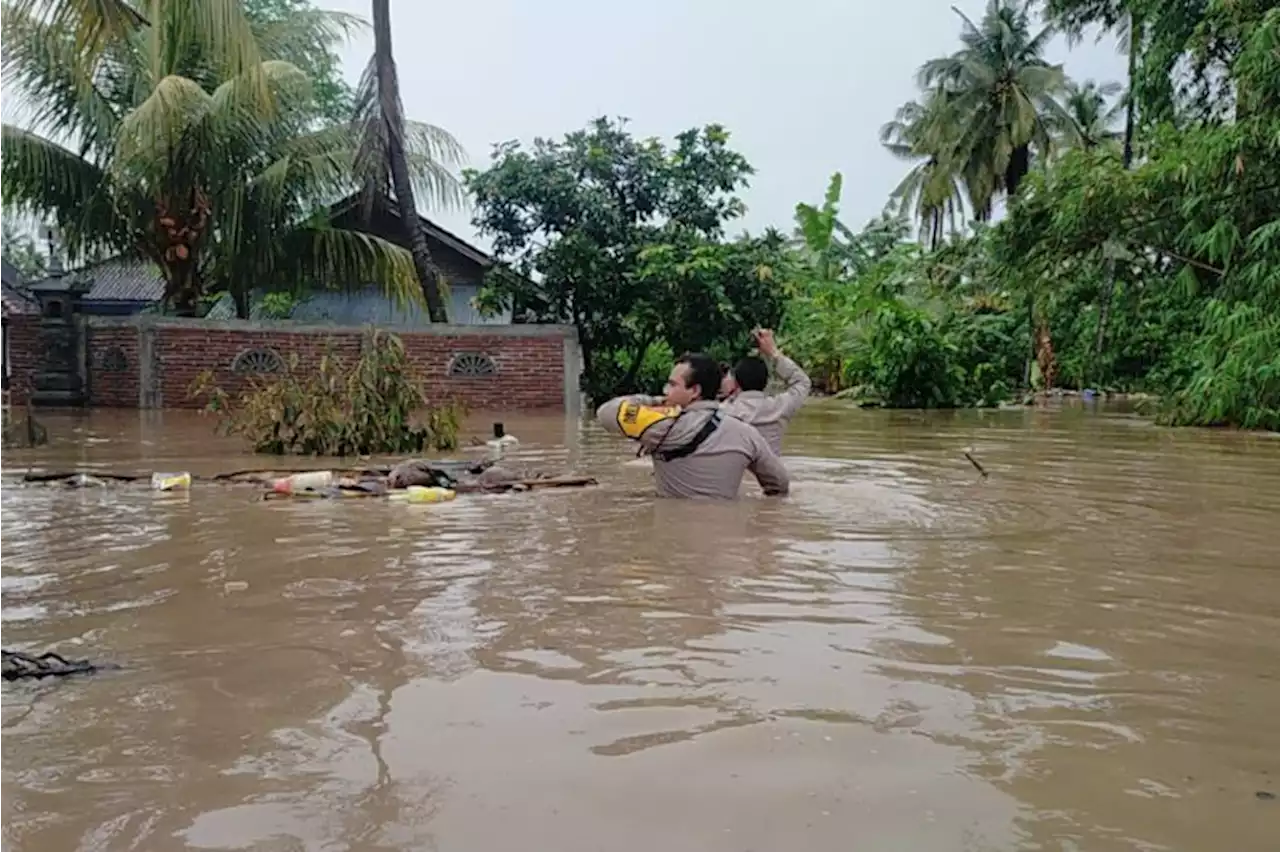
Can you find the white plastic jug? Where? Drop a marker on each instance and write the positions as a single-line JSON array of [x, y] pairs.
[[315, 480]]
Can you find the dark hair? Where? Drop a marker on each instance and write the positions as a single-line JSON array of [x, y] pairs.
[[751, 373], [704, 371]]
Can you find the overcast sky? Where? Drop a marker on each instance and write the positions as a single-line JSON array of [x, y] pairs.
[[803, 86]]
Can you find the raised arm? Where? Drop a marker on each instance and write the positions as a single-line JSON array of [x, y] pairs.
[[637, 418], [796, 380], [797, 384], [767, 468]]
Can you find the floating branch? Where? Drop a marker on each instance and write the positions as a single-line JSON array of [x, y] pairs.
[[979, 468]]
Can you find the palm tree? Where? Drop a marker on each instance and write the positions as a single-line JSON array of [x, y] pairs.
[[386, 155], [187, 141], [1093, 116], [931, 191], [1001, 99], [1113, 16]]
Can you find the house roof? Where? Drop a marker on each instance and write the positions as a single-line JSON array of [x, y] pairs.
[[117, 279], [124, 279], [17, 302], [386, 205], [9, 273]]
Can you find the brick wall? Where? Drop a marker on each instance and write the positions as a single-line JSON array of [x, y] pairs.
[[183, 353], [134, 362], [22, 335], [113, 382]]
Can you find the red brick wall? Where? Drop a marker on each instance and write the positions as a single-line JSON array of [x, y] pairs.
[[22, 332], [530, 368], [184, 353], [110, 387]]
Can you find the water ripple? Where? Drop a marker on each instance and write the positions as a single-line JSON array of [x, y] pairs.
[[899, 652]]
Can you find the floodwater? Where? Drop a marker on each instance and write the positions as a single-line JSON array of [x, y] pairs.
[[1080, 652]]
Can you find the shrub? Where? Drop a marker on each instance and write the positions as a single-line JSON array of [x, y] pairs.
[[376, 405]]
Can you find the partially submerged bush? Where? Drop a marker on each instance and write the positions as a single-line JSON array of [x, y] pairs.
[[376, 405]]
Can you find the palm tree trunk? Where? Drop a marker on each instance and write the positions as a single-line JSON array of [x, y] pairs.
[[183, 286], [1019, 165], [389, 102], [180, 229], [1104, 313], [1134, 44], [1041, 337]]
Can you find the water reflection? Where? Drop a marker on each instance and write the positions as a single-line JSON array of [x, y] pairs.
[[1074, 653]]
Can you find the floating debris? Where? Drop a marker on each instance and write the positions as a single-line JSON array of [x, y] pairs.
[[19, 665], [459, 476], [170, 481], [424, 494], [969, 455]]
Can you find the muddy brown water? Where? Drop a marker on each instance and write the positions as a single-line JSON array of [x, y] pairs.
[[1081, 652]]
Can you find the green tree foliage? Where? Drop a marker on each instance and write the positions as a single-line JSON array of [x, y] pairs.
[[1193, 231], [21, 249], [933, 191], [986, 109], [192, 140], [877, 318], [308, 38], [625, 239], [1094, 114]]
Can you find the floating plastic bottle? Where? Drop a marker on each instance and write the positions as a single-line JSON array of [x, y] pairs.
[[424, 494], [315, 480], [171, 481]]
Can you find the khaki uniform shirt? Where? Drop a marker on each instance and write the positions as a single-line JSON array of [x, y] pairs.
[[772, 414], [715, 468]]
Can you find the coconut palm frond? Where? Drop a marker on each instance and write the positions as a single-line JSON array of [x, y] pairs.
[[90, 24], [191, 139], [336, 259], [41, 62]]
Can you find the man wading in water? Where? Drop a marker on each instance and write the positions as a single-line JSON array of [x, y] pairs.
[[747, 401], [697, 452]]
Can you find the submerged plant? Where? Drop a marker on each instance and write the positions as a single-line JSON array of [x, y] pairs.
[[376, 405]]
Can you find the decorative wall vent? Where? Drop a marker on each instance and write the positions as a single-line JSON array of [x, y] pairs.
[[257, 361], [113, 360], [471, 365]]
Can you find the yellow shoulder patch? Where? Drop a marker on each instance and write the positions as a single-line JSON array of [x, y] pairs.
[[635, 419]]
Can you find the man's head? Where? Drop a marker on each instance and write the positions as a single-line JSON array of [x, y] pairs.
[[751, 374], [693, 377], [728, 387]]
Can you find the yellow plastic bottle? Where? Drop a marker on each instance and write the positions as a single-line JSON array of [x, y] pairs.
[[424, 494], [171, 481]]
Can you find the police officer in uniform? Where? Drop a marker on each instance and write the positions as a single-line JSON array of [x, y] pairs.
[[747, 401], [697, 451]]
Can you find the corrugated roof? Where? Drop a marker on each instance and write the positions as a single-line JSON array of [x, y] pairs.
[[126, 281], [119, 279]]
